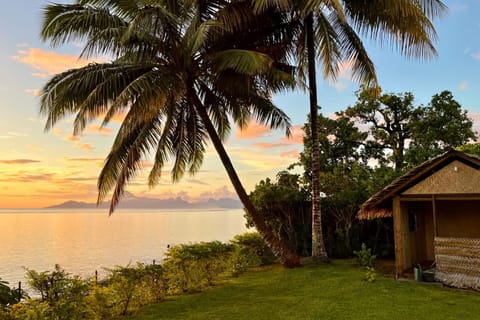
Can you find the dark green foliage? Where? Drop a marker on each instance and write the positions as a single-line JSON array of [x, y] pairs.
[[189, 268], [389, 117], [286, 209], [250, 251], [471, 148], [441, 125], [394, 120], [8, 296]]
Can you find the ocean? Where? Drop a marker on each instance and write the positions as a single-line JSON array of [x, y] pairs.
[[83, 241]]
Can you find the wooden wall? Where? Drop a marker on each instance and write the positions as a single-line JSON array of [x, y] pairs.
[[460, 219]]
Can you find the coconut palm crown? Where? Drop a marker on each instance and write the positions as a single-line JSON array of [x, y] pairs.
[[181, 71]]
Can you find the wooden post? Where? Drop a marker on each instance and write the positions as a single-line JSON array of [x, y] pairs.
[[397, 229], [19, 290], [434, 210]]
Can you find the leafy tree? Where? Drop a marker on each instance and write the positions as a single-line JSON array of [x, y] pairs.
[[390, 117], [181, 71], [285, 206], [340, 142], [412, 134], [471, 148], [441, 125]]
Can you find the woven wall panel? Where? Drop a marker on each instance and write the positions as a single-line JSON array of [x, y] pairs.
[[458, 262]]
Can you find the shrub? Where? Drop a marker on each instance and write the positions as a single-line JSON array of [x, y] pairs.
[[370, 274], [252, 245], [8, 296], [189, 268], [125, 288], [364, 256], [62, 297]]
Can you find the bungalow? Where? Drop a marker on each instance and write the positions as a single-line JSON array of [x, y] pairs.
[[436, 217]]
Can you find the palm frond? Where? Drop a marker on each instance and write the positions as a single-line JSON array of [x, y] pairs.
[[242, 61]]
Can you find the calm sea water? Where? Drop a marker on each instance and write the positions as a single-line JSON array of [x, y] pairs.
[[83, 241]]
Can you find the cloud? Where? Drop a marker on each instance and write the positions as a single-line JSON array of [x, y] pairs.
[[475, 116], [76, 140], [220, 193], [85, 146], [476, 55], [19, 161], [294, 153], [48, 62], [57, 132], [344, 74], [195, 181], [35, 147], [252, 131], [34, 92], [95, 128], [463, 85], [296, 137], [83, 159], [72, 138], [265, 145]]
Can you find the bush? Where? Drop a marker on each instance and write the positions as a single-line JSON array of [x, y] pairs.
[[189, 268], [250, 251], [364, 256], [8, 296]]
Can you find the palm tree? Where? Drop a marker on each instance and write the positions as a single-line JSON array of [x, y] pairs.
[[330, 33], [179, 73]]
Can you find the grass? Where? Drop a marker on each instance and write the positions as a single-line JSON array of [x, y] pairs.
[[334, 291]]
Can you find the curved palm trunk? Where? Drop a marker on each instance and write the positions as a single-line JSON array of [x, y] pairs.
[[318, 246], [281, 251]]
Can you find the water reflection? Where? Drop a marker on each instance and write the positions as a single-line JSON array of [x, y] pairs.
[[84, 241]]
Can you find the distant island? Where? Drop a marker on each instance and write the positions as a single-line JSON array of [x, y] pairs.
[[130, 201]]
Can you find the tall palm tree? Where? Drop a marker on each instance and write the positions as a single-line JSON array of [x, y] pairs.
[[330, 34], [180, 71]]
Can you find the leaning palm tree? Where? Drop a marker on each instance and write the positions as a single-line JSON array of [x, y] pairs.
[[180, 71], [330, 32]]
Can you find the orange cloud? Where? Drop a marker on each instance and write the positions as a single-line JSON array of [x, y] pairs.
[[296, 137], [84, 159], [252, 131], [95, 128], [19, 161], [49, 62], [34, 147], [265, 145], [35, 92], [294, 153], [76, 140], [72, 138], [85, 146]]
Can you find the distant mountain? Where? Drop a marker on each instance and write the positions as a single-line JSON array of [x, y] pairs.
[[132, 202]]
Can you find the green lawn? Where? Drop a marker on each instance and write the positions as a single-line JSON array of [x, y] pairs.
[[335, 291]]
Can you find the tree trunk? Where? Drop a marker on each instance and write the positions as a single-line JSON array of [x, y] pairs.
[[279, 249], [318, 246]]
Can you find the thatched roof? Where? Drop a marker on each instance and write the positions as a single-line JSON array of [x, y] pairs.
[[380, 204]]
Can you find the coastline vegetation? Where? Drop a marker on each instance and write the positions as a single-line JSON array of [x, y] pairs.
[[187, 268]]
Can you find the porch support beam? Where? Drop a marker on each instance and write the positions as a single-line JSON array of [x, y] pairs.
[[397, 229]]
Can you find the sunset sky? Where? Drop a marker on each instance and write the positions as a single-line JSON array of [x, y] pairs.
[[40, 168]]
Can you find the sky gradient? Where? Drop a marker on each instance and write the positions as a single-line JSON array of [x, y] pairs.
[[39, 168]]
